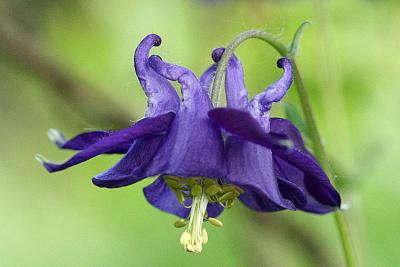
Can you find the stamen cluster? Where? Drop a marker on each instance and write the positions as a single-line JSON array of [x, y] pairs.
[[200, 191]]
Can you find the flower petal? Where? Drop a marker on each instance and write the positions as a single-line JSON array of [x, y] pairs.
[[291, 180], [162, 95], [146, 126], [162, 197], [194, 146], [315, 180], [83, 140], [276, 91], [250, 166], [287, 128], [243, 124], [133, 167], [236, 92]]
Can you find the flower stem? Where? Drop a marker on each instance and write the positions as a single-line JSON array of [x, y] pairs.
[[320, 154]]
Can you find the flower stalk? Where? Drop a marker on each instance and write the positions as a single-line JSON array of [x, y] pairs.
[[319, 150]]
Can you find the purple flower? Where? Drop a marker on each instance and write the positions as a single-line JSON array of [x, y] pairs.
[[198, 173], [272, 178], [175, 141]]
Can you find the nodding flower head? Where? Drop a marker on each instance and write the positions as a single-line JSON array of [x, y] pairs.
[[179, 140]]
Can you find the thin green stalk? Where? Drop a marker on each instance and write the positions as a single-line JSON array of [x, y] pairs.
[[319, 150], [219, 74]]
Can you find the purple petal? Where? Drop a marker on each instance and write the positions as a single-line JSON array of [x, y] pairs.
[[194, 146], [285, 127], [315, 180], [133, 166], [292, 192], [190, 84], [250, 166], [146, 126], [207, 78], [243, 124], [162, 95], [162, 197], [276, 91], [83, 140], [236, 92], [291, 180]]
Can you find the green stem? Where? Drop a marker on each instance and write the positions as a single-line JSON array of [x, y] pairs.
[[219, 74], [319, 150]]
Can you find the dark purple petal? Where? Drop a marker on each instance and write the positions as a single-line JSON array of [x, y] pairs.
[[146, 126], [315, 179], [236, 92], [189, 82], [285, 127], [162, 197], [250, 166], [243, 124], [133, 166], [83, 140], [276, 91], [291, 179], [292, 192], [194, 146], [162, 95]]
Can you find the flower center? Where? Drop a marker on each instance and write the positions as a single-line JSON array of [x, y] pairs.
[[200, 191]]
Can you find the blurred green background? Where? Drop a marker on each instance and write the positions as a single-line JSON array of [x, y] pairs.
[[68, 65]]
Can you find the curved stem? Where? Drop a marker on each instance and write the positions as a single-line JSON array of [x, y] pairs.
[[219, 74], [319, 150]]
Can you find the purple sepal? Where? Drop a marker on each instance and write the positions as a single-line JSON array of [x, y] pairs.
[[133, 166], [147, 126], [83, 140], [316, 182], [243, 124]]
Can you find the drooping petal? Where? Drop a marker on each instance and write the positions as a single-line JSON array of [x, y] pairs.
[[162, 197], [291, 180], [250, 167], [83, 140], [146, 126], [243, 124], [236, 92], [194, 146], [162, 97], [316, 181]]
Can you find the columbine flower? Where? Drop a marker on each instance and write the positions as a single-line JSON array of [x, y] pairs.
[[176, 141], [272, 178]]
